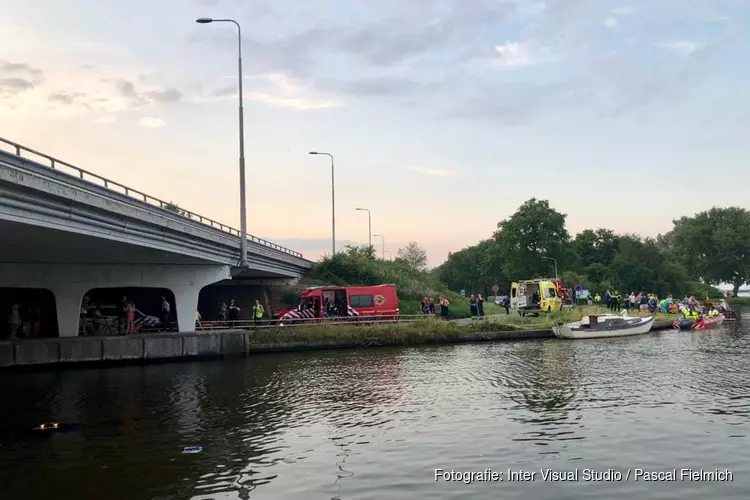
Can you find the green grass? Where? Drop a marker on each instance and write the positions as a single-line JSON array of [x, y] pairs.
[[417, 332], [739, 301], [459, 307]]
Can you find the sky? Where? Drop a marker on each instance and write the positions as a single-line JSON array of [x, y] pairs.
[[442, 116]]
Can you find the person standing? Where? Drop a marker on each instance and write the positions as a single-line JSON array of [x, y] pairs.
[[130, 316], [165, 310], [36, 321], [233, 312], [425, 306], [257, 312], [444, 312], [431, 307], [506, 304], [14, 320], [473, 306], [122, 316], [480, 305]]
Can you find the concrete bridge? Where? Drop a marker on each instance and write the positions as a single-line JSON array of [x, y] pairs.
[[69, 230]]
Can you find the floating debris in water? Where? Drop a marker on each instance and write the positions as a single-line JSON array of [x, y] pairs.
[[52, 427], [47, 427], [192, 449]]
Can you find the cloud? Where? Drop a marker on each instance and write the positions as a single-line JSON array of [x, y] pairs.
[[514, 104], [622, 11], [166, 95], [151, 122], [438, 172], [610, 22], [17, 78], [104, 120], [12, 86], [432, 171], [69, 91], [514, 54], [683, 47], [378, 86], [274, 89]]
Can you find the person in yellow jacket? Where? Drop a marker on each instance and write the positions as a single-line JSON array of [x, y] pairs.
[[257, 312]]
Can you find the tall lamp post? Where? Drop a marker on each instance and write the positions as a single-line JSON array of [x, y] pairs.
[[243, 206], [555, 261], [333, 201], [382, 239], [369, 224]]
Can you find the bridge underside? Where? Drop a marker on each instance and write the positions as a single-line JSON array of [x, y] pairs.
[[29, 244]]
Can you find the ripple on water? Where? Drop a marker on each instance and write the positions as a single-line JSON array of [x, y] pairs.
[[376, 423]]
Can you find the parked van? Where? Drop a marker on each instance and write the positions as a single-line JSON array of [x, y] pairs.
[[535, 296], [331, 302]]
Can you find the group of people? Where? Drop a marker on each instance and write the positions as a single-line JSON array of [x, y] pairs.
[[232, 312], [24, 322], [649, 303], [428, 306], [476, 305], [646, 303], [93, 322]]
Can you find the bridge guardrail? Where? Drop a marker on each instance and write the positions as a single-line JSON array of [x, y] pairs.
[[115, 186]]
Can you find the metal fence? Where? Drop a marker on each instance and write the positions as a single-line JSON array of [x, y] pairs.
[[72, 170]]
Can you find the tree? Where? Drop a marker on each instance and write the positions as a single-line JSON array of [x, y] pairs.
[[413, 255], [175, 208], [534, 231], [714, 245], [596, 246], [366, 251]]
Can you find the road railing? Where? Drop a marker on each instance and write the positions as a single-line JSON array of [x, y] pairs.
[[96, 179], [307, 322]]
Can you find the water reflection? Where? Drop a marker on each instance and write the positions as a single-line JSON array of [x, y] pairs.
[[374, 423]]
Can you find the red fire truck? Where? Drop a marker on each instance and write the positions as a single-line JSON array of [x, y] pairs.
[[331, 302]]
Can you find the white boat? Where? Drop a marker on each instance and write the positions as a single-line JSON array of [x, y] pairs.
[[596, 327]]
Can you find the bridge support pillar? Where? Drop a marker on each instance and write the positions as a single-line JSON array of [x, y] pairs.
[[68, 299], [69, 283], [186, 304]]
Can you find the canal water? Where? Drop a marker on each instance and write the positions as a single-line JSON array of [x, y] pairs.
[[375, 424]]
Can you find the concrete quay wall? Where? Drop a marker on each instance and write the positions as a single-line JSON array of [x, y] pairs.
[[60, 352]]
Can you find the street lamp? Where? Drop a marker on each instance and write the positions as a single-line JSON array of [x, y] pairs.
[[243, 207], [555, 261], [369, 223], [382, 238], [333, 201]]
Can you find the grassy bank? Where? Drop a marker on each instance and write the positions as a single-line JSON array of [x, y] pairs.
[[413, 333], [417, 332], [739, 301]]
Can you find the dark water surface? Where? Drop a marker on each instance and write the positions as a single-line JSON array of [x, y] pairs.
[[377, 423]]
